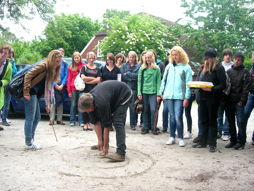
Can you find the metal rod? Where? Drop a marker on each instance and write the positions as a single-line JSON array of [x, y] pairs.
[[54, 132]]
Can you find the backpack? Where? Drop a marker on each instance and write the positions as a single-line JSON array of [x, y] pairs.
[[15, 87]]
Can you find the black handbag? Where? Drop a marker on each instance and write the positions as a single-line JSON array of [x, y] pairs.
[[138, 106]]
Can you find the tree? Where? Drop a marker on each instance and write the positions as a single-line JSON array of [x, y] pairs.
[[113, 13], [71, 32], [220, 24], [138, 33], [7, 37], [18, 10], [26, 53]]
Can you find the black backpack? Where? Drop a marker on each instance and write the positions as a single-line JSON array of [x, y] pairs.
[[15, 87]]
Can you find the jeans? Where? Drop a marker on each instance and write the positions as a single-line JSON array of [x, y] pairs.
[[58, 110], [5, 109], [133, 113], [150, 104], [165, 116], [32, 117], [74, 109], [222, 126], [188, 113], [119, 118], [248, 109], [175, 107], [233, 111], [208, 112]]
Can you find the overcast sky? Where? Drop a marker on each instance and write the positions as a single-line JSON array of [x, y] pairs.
[[94, 9]]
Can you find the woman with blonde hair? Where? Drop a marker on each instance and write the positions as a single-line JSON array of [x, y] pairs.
[[91, 74], [73, 71], [120, 60], [149, 80], [129, 72], [142, 58], [175, 91], [38, 81]]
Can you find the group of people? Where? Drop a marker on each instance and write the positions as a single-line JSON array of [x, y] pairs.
[[233, 85], [104, 100]]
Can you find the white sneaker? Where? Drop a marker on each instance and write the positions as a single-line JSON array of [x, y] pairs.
[[7, 120], [187, 135], [181, 143], [33, 147], [225, 137], [170, 141]]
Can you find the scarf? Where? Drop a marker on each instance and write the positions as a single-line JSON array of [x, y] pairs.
[[49, 94]]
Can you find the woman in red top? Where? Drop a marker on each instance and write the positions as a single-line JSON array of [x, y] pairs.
[[73, 71]]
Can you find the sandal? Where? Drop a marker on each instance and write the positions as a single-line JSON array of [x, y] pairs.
[[86, 127]]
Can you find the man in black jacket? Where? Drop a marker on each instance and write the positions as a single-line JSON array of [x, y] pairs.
[[107, 103], [237, 98]]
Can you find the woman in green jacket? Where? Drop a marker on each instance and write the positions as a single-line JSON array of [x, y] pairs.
[[149, 80], [5, 72]]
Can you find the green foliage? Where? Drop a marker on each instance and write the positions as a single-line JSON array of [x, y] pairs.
[[29, 57], [220, 24], [25, 9], [6, 37], [248, 63], [137, 33], [113, 14], [71, 32], [25, 53]]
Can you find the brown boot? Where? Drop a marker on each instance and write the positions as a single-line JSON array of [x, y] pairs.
[[51, 122], [116, 157], [60, 123]]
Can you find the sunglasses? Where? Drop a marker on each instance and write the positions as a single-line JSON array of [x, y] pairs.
[[58, 55]]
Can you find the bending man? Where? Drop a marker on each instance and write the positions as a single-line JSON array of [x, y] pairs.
[[107, 103]]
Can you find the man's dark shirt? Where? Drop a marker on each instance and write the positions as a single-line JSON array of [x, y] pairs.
[[108, 96]]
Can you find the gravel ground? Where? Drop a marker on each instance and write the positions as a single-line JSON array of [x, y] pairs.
[[150, 164]]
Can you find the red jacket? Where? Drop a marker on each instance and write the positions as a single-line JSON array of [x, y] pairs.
[[71, 77]]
